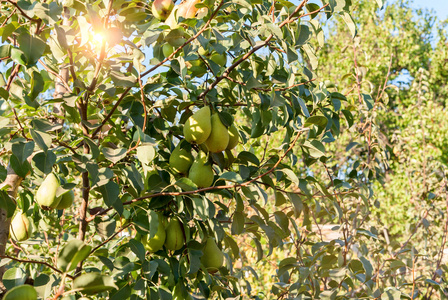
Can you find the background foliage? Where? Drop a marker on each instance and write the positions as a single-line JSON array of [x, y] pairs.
[[338, 188]]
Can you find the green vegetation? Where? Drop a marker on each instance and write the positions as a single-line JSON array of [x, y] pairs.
[[223, 150]]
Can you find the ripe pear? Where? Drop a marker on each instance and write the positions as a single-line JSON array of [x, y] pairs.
[[200, 172], [21, 292], [198, 126], [212, 257], [233, 137], [186, 9], [66, 200], [174, 235], [181, 159], [161, 9], [155, 243], [46, 193], [20, 227], [219, 137]]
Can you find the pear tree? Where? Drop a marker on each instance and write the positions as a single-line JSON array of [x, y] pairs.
[[148, 148]]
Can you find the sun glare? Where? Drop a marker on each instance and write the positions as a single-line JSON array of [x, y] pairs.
[[98, 38]]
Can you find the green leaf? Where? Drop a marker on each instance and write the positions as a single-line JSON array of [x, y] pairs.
[[114, 155], [380, 3], [297, 204], [19, 168], [93, 283], [302, 104], [315, 148], [238, 223], [368, 101], [22, 150], [137, 248], [367, 267], [14, 277], [110, 193], [231, 176], [42, 139], [349, 117], [73, 252], [122, 80], [246, 156], [145, 153], [186, 184], [44, 161], [18, 56], [303, 34], [37, 85], [32, 48], [391, 294], [312, 7], [311, 56], [7, 203], [135, 178], [350, 23], [319, 121]]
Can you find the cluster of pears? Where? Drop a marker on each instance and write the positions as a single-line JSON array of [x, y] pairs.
[[207, 130], [171, 236], [166, 11], [47, 194]]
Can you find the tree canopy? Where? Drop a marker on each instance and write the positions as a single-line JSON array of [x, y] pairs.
[[223, 150]]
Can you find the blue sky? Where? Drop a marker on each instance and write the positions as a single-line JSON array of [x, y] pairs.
[[439, 6]]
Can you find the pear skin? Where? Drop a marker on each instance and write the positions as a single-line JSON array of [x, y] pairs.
[[174, 235], [233, 137], [20, 227], [46, 193], [219, 137], [181, 159], [186, 9], [212, 257], [66, 200], [155, 243], [161, 9], [198, 127], [200, 172]]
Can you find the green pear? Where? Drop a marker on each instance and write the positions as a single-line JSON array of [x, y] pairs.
[[219, 136], [220, 59], [201, 173], [198, 126], [46, 193], [167, 50], [161, 9], [212, 257], [20, 227], [66, 200], [233, 137], [21, 292], [155, 243], [181, 159], [174, 235]]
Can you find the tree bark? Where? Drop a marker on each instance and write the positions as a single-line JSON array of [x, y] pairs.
[[13, 181]]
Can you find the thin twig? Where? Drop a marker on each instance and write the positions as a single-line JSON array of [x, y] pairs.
[[35, 262]]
